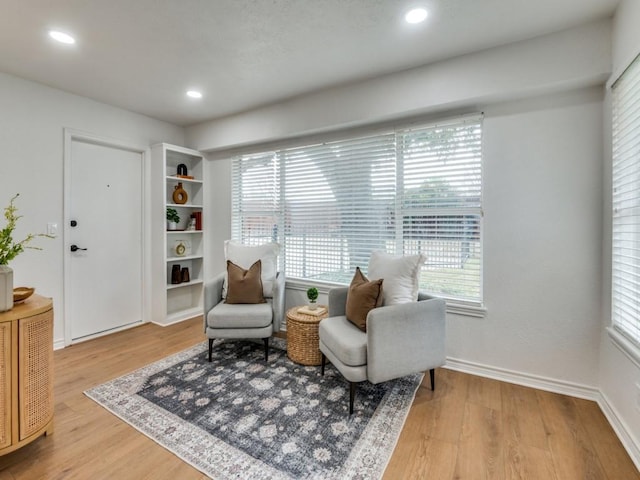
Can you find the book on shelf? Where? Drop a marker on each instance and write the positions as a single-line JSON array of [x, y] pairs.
[[198, 217]]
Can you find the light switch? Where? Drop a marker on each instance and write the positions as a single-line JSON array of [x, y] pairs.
[[52, 229]]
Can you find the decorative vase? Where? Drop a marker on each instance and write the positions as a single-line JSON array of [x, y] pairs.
[[180, 195], [184, 275], [6, 288], [176, 275]]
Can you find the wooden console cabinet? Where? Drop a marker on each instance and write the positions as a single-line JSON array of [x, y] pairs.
[[26, 373]]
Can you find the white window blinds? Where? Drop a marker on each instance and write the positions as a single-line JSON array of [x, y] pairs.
[[338, 200], [626, 204], [255, 200], [408, 191], [440, 206]]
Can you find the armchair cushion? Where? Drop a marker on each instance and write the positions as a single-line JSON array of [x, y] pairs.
[[347, 342], [245, 286], [363, 296], [246, 255], [225, 315], [213, 297], [401, 276]]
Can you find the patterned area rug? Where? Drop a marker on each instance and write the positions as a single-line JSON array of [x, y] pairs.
[[239, 417]]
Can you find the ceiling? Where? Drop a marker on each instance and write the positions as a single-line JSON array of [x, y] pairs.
[[142, 55]]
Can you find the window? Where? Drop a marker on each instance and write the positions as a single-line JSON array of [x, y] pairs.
[[625, 281], [256, 198], [406, 191]]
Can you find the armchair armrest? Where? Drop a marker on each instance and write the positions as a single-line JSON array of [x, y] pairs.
[[404, 339], [212, 294], [278, 301], [425, 296], [338, 301]]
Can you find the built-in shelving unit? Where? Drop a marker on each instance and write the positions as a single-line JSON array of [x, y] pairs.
[[173, 302]]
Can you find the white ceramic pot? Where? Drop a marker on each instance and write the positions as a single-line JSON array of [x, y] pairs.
[[172, 226], [313, 305], [6, 288]]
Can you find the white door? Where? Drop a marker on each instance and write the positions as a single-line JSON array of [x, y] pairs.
[[104, 241]]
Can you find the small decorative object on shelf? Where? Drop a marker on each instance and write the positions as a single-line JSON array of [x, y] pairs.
[[181, 248], [184, 275], [180, 195], [172, 219], [312, 295], [182, 172], [6, 288], [176, 275], [20, 294], [192, 224]]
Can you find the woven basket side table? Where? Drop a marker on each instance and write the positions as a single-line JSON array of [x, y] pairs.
[[302, 336]]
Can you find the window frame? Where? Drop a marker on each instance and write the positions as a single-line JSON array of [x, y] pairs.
[[625, 171], [470, 307]]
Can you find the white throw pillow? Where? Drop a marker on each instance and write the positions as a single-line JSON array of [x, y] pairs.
[[244, 256], [401, 275]]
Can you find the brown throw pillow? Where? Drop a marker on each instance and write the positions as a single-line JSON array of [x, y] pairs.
[[362, 297], [245, 286]]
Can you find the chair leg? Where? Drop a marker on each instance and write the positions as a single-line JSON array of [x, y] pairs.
[[324, 362], [266, 349], [210, 348], [352, 396], [432, 374]]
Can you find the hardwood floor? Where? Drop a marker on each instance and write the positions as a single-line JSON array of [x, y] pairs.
[[469, 428]]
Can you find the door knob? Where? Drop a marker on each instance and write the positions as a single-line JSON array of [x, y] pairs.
[[75, 248]]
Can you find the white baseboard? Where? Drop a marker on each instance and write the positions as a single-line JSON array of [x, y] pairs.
[[631, 444], [524, 379], [174, 321], [60, 343]]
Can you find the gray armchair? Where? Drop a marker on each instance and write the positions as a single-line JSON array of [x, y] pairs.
[[400, 340], [223, 320]]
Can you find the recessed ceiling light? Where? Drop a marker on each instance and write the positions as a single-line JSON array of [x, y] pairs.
[[194, 94], [416, 15], [62, 37]]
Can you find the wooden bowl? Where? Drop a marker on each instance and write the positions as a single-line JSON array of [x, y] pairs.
[[22, 293]]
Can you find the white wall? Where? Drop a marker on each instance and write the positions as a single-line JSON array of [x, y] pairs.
[[542, 238], [619, 375], [32, 119], [561, 61]]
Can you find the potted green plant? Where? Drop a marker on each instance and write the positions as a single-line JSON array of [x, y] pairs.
[[312, 295], [172, 219], [10, 249]]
